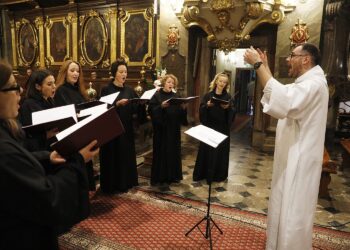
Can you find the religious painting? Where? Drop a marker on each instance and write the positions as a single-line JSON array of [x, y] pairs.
[[57, 38], [136, 40], [27, 42], [93, 39]]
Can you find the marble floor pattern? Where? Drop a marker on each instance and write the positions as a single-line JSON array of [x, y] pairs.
[[248, 184]]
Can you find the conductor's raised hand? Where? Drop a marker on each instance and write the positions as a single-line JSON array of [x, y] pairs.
[[89, 151], [263, 56], [252, 56]]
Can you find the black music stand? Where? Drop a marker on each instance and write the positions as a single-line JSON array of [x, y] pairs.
[[207, 217]]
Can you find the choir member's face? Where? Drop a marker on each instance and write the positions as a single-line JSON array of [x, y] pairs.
[[47, 88], [72, 73], [169, 84], [221, 83], [121, 74], [9, 100], [294, 61]]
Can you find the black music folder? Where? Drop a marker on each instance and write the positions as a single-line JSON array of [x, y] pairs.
[[60, 124], [102, 127], [219, 101], [179, 100], [59, 117]]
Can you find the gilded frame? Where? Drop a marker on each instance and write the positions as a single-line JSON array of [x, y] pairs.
[[57, 45], [27, 42], [144, 20], [93, 38]]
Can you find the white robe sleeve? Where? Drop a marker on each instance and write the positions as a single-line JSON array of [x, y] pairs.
[[291, 100]]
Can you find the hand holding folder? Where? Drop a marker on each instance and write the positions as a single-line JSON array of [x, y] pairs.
[[103, 127], [219, 101]]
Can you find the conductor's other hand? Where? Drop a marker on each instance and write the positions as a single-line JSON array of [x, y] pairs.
[[89, 151], [56, 158], [225, 106], [263, 56]]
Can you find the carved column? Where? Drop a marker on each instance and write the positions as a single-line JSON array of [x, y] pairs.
[[39, 24]]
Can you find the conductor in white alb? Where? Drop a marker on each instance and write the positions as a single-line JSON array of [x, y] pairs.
[[301, 110]]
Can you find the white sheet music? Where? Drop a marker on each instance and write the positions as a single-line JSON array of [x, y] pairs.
[[78, 125], [207, 135], [110, 99], [89, 111], [54, 114], [147, 95]]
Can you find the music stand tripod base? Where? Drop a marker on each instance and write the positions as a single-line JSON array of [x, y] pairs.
[[208, 219]]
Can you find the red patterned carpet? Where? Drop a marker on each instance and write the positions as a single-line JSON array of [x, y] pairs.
[[142, 220]]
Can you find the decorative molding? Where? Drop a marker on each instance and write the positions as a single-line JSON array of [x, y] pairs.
[[39, 24], [111, 17], [136, 44], [173, 37], [27, 42], [299, 34], [226, 32], [93, 38]]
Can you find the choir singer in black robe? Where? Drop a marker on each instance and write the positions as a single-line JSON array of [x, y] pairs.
[[40, 92], [35, 206], [166, 121], [213, 164], [71, 89], [118, 157]]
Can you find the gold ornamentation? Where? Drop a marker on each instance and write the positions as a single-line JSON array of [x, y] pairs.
[[91, 93], [227, 44], [58, 32], [106, 63], [136, 36], [222, 4], [173, 37], [72, 18], [121, 13], [150, 62], [138, 89], [27, 42], [299, 34], [254, 10], [224, 18], [93, 38]]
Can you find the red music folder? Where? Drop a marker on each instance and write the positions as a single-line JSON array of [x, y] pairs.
[[102, 127]]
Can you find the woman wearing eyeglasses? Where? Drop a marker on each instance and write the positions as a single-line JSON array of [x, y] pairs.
[[40, 92], [34, 206], [216, 111]]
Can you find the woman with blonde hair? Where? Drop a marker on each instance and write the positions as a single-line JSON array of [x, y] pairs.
[[216, 111], [166, 120], [70, 84], [35, 207]]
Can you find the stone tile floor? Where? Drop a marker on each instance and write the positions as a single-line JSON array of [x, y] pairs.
[[248, 184]]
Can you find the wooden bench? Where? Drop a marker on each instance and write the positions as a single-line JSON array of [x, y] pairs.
[[328, 167], [346, 153]]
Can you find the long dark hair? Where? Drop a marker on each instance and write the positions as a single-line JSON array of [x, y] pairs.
[[5, 74], [37, 77]]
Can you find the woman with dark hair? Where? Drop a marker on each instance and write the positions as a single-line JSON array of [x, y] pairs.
[[71, 89], [35, 206], [213, 164], [70, 84], [40, 92], [166, 120], [118, 157]]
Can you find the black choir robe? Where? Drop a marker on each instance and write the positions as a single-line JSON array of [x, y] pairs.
[[35, 206], [118, 157], [212, 164], [166, 164], [70, 94], [35, 141]]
